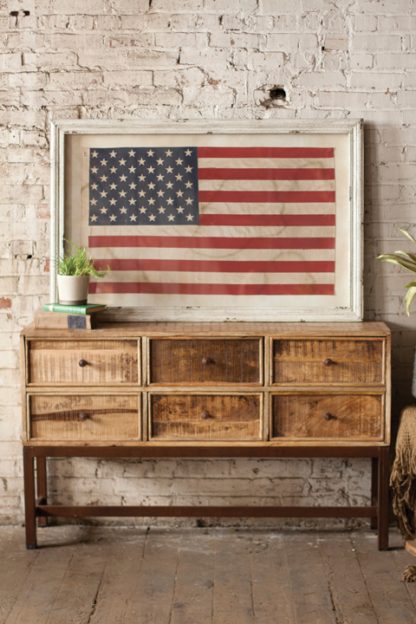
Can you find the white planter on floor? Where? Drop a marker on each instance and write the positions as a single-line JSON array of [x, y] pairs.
[[73, 289]]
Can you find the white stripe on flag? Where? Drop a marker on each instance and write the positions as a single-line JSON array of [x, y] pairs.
[[267, 163], [218, 278], [265, 208], [267, 185], [267, 255]]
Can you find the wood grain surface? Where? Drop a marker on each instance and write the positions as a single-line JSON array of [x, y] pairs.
[[104, 575], [198, 361], [238, 329], [205, 417], [84, 417], [328, 361], [87, 361], [346, 416]]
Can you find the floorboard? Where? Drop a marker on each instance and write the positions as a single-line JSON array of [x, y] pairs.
[[77, 596], [310, 596], [152, 596], [272, 585], [16, 563], [389, 596], [41, 587], [119, 581], [194, 588], [346, 584], [233, 586], [402, 559], [109, 575]]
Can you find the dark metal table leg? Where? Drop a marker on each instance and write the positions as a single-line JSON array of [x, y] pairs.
[[383, 498], [374, 489], [30, 502], [42, 486]]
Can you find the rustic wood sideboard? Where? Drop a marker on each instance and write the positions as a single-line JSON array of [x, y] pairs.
[[207, 390]]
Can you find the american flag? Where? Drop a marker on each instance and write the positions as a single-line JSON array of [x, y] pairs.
[[213, 220]]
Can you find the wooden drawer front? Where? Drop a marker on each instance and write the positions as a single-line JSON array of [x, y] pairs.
[[351, 417], [205, 417], [83, 362], [207, 361], [328, 361], [92, 417]]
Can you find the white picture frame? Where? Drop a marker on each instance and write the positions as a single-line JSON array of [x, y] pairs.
[[71, 145]]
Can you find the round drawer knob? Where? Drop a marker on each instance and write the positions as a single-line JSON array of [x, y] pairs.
[[205, 415], [207, 360], [83, 416], [329, 416], [82, 363], [329, 362]]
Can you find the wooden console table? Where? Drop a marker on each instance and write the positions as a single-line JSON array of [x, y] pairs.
[[270, 390]]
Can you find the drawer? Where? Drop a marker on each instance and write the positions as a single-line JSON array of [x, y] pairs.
[[328, 361], [84, 417], [205, 361], [83, 362], [205, 417], [341, 416]]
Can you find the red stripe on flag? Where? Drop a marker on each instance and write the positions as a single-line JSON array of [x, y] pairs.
[[212, 173], [206, 242], [288, 197], [264, 152], [209, 289], [217, 266], [267, 219]]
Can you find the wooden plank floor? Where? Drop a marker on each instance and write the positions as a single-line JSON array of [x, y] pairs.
[[92, 575]]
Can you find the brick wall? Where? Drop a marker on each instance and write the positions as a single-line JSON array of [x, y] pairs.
[[200, 59]]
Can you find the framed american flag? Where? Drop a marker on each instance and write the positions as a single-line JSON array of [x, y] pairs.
[[214, 221]]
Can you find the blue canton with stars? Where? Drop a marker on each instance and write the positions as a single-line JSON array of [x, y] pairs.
[[143, 186]]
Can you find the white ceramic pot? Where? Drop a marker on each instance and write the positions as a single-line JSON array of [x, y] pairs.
[[73, 289]]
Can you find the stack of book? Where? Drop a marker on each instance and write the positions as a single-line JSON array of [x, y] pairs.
[[60, 316]]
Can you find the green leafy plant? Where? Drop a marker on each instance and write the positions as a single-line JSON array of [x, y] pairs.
[[78, 263], [407, 261]]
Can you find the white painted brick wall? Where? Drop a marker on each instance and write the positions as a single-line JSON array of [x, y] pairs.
[[200, 59]]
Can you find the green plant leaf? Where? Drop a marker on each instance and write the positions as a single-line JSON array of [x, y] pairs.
[[400, 260], [409, 296], [407, 261], [408, 235], [77, 262]]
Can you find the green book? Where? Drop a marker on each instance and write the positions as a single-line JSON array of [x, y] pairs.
[[87, 308]]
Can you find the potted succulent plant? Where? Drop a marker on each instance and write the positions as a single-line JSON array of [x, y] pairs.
[[407, 261], [74, 272]]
